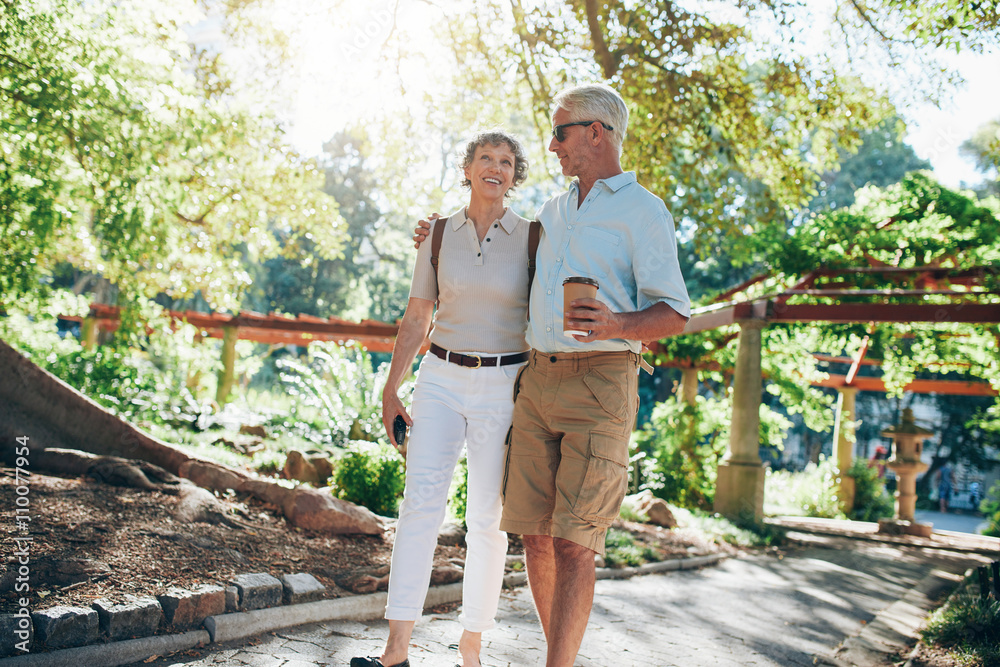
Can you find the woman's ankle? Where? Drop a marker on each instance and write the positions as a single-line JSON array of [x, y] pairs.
[[469, 647]]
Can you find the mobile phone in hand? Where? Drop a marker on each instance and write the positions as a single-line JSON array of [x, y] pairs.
[[399, 431]]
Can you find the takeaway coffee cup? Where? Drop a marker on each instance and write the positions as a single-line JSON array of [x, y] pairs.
[[577, 287]]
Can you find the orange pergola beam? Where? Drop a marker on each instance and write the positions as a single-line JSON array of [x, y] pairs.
[[950, 387]]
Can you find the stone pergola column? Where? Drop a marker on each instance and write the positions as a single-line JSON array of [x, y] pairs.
[[88, 333], [843, 438], [689, 385], [229, 337], [739, 489]]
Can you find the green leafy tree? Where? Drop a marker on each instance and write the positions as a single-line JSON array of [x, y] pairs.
[[370, 276], [734, 119], [133, 155], [882, 159], [983, 148]]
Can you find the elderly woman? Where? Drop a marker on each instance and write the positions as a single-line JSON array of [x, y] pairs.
[[463, 394]]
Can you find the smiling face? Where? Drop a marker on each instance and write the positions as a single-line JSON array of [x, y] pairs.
[[575, 150], [491, 171]]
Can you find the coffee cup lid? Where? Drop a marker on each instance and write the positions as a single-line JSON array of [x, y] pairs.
[[581, 279]]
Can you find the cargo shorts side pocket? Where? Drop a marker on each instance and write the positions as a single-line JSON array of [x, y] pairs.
[[609, 395], [606, 480]]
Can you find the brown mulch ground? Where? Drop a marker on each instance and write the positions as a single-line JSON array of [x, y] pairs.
[[92, 541], [933, 656]]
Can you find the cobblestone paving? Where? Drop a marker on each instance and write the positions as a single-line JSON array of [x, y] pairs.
[[766, 609]]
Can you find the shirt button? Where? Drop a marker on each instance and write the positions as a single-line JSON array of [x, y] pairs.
[[479, 254], [495, 225], [550, 291], [487, 240], [569, 227], [558, 259], [548, 328], [552, 359]]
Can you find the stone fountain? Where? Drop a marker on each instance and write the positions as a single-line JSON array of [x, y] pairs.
[[908, 444]]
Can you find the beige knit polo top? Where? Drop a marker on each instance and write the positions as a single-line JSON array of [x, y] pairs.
[[482, 288]]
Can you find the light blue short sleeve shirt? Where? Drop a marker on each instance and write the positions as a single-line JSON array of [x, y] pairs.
[[623, 236]]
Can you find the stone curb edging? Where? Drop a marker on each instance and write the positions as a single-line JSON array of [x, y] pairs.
[[958, 542], [112, 653], [889, 634], [240, 625], [689, 563]]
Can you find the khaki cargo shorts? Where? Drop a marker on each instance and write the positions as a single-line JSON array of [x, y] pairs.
[[567, 451]]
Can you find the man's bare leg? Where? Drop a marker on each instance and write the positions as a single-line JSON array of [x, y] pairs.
[[561, 578], [540, 563], [571, 602]]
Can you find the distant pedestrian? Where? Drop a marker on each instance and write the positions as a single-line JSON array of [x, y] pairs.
[[878, 460], [945, 483], [975, 495]]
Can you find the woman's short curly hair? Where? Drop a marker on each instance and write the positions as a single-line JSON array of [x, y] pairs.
[[496, 138]]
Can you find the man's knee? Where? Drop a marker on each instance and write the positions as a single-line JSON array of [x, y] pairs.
[[537, 544], [570, 550]]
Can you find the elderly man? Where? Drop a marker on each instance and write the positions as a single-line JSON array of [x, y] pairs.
[[576, 399]]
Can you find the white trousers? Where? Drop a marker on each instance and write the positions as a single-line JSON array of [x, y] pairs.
[[453, 406]]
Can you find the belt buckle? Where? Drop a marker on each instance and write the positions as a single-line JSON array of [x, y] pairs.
[[479, 361]]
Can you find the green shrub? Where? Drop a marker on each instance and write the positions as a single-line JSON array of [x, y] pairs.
[[990, 507], [620, 550], [968, 626], [720, 529], [458, 495], [370, 474], [142, 378], [337, 395], [682, 445], [680, 448], [812, 492], [871, 501]]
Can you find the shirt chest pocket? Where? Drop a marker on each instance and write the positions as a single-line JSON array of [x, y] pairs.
[[593, 252]]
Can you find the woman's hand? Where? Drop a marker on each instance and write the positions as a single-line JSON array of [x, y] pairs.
[[392, 406]]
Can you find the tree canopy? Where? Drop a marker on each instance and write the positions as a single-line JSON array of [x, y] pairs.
[[131, 153], [735, 114]]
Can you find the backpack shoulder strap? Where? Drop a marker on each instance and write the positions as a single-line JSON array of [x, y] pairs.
[[436, 235], [534, 234]]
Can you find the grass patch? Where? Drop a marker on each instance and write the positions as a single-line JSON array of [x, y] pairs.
[[621, 550], [719, 529], [967, 627], [811, 492]]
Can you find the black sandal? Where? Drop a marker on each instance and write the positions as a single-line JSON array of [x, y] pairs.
[[375, 662]]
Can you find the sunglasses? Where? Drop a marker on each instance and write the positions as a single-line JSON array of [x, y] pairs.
[[559, 131]]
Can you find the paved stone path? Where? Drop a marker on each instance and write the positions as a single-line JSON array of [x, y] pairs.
[[778, 609], [959, 523]]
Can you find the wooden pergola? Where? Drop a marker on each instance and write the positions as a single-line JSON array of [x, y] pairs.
[[942, 296], [271, 329]]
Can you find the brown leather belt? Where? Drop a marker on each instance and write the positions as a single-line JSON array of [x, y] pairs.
[[475, 361]]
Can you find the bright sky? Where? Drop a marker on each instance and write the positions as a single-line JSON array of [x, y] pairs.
[[936, 133]]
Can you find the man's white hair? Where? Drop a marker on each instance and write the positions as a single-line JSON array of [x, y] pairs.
[[596, 101]]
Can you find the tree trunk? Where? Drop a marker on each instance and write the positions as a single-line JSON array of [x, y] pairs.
[[39, 406]]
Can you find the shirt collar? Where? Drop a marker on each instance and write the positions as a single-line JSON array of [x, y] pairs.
[[508, 220], [614, 183]]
